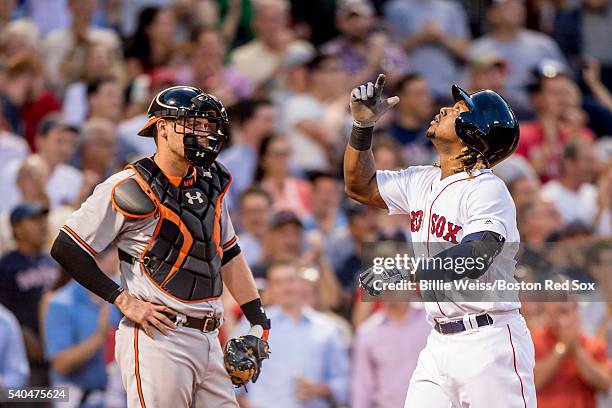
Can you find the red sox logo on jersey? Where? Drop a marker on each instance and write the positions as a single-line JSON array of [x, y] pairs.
[[438, 226]]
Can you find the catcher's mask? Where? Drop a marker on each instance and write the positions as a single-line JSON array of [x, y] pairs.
[[199, 117]]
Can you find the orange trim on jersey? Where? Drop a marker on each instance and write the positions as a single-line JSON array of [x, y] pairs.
[[176, 181], [137, 367], [265, 335], [230, 242], [191, 180], [187, 241], [515, 369], [217, 224], [125, 213], [80, 240], [170, 215]]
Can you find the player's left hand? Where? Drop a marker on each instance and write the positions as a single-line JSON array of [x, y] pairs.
[[367, 104], [243, 357]]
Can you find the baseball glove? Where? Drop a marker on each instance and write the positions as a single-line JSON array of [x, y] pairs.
[[243, 358]]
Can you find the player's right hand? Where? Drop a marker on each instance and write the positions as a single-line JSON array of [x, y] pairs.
[[368, 278], [367, 104], [145, 313]]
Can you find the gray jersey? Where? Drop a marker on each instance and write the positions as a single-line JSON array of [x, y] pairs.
[[97, 224]]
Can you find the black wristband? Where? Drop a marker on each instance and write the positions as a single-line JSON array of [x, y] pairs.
[[361, 138], [115, 295], [255, 314]]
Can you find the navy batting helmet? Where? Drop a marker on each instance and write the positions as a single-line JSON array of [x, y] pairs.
[[185, 105], [490, 127]]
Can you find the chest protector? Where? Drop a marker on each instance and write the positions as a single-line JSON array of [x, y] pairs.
[[184, 255]]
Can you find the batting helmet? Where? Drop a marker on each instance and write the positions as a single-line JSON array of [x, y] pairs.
[[489, 127], [185, 105]]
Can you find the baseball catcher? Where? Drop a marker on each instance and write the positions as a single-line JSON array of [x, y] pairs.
[[177, 248]]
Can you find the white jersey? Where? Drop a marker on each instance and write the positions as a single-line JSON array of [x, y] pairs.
[[98, 224], [445, 211]]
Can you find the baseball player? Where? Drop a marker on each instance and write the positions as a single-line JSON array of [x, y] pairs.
[[478, 355], [177, 247]]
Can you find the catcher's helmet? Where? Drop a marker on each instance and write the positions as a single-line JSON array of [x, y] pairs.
[[186, 104], [490, 127]]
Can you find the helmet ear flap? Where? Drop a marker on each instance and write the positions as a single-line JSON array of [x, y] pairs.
[[489, 127], [469, 133]]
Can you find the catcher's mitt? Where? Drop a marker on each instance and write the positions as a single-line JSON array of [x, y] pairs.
[[243, 357]]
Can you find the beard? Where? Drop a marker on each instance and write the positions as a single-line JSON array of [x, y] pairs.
[[430, 133]]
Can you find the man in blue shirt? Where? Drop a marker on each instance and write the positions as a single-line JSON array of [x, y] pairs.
[[14, 369], [310, 368], [25, 275], [77, 326]]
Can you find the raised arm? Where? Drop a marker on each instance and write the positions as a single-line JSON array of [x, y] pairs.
[[367, 107]]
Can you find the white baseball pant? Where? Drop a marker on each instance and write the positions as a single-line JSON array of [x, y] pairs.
[[491, 366]]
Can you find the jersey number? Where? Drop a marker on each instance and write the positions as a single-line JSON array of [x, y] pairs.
[[416, 220]]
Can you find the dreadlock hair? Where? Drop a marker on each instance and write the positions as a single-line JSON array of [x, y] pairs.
[[470, 160]]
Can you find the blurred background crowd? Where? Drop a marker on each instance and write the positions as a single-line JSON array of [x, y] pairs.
[[76, 78]]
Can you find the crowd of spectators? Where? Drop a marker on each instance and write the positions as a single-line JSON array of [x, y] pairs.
[[76, 77]]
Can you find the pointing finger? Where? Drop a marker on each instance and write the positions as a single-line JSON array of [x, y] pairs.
[[380, 83]]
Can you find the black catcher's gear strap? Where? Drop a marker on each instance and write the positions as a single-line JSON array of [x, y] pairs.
[[83, 268], [482, 247], [361, 138]]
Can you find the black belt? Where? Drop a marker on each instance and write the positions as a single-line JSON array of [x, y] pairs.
[[207, 324], [458, 326], [125, 257]]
